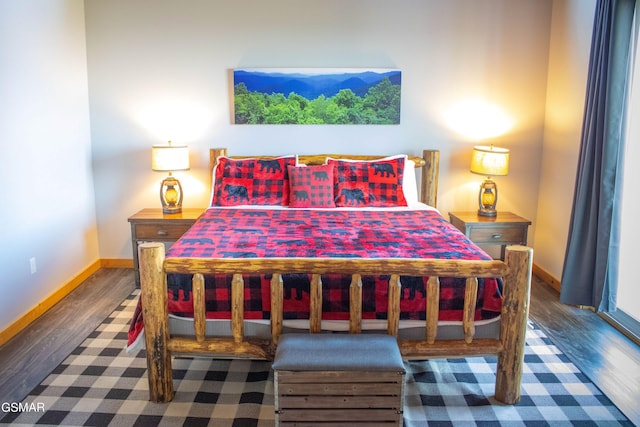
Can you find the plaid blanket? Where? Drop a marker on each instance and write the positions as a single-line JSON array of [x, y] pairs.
[[264, 233]]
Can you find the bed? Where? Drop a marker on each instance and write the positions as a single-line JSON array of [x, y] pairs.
[[300, 243]]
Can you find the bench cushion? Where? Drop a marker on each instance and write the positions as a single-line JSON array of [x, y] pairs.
[[338, 352]]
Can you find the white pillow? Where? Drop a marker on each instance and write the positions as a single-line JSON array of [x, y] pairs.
[[409, 184]]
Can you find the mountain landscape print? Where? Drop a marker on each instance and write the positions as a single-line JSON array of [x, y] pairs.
[[316, 96]]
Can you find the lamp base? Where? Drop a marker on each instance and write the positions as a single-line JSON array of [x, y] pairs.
[[487, 212], [172, 209], [171, 195], [487, 198]]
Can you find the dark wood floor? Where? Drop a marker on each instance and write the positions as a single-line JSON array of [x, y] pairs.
[[31, 355], [602, 353], [607, 357]]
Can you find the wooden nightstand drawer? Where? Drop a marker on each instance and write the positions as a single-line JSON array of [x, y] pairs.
[[498, 235], [160, 231], [503, 229], [153, 225]]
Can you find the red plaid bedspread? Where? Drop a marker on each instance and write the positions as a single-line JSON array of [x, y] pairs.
[[264, 233]]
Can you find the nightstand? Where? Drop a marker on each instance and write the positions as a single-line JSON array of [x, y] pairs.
[[503, 229], [151, 225]]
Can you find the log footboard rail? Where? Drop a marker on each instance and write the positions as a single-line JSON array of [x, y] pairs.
[[509, 347]]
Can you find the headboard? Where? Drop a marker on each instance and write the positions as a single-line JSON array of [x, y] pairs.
[[429, 163]]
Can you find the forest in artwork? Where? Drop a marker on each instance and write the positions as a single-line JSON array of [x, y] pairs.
[[363, 97]]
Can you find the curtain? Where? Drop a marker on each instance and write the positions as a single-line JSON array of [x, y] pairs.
[[589, 275]]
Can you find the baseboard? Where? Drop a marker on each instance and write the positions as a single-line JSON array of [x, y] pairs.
[[116, 263], [546, 277], [51, 300]]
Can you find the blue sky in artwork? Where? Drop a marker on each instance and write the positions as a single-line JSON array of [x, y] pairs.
[[313, 83]]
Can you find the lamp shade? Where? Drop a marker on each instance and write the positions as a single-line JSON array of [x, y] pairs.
[[490, 161], [169, 157]]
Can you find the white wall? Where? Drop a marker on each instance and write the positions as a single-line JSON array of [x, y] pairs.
[[48, 206], [571, 28], [160, 70]]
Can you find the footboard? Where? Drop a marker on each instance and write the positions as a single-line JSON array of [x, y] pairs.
[[516, 271]]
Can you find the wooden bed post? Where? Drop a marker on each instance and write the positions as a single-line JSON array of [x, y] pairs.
[[429, 184], [153, 286], [515, 312], [355, 304], [393, 308], [276, 307], [214, 153], [433, 308]]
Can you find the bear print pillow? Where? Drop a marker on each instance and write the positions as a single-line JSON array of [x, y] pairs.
[[376, 183], [252, 181], [311, 187]]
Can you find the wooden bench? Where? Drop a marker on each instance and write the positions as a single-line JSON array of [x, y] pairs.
[[338, 379]]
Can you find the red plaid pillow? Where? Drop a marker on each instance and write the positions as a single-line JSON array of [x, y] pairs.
[[252, 181], [369, 183], [311, 187]]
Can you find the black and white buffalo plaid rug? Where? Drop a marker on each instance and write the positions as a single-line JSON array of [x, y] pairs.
[[100, 385]]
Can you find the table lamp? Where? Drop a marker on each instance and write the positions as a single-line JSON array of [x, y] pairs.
[[489, 161], [169, 158]]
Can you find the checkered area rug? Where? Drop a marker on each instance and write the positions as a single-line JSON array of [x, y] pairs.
[[100, 385]]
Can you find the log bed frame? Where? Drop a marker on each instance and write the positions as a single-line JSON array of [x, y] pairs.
[[509, 347]]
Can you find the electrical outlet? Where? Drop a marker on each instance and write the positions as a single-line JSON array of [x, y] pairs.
[[32, 265]]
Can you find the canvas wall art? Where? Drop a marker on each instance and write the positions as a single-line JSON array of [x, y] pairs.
[[316, 96]]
